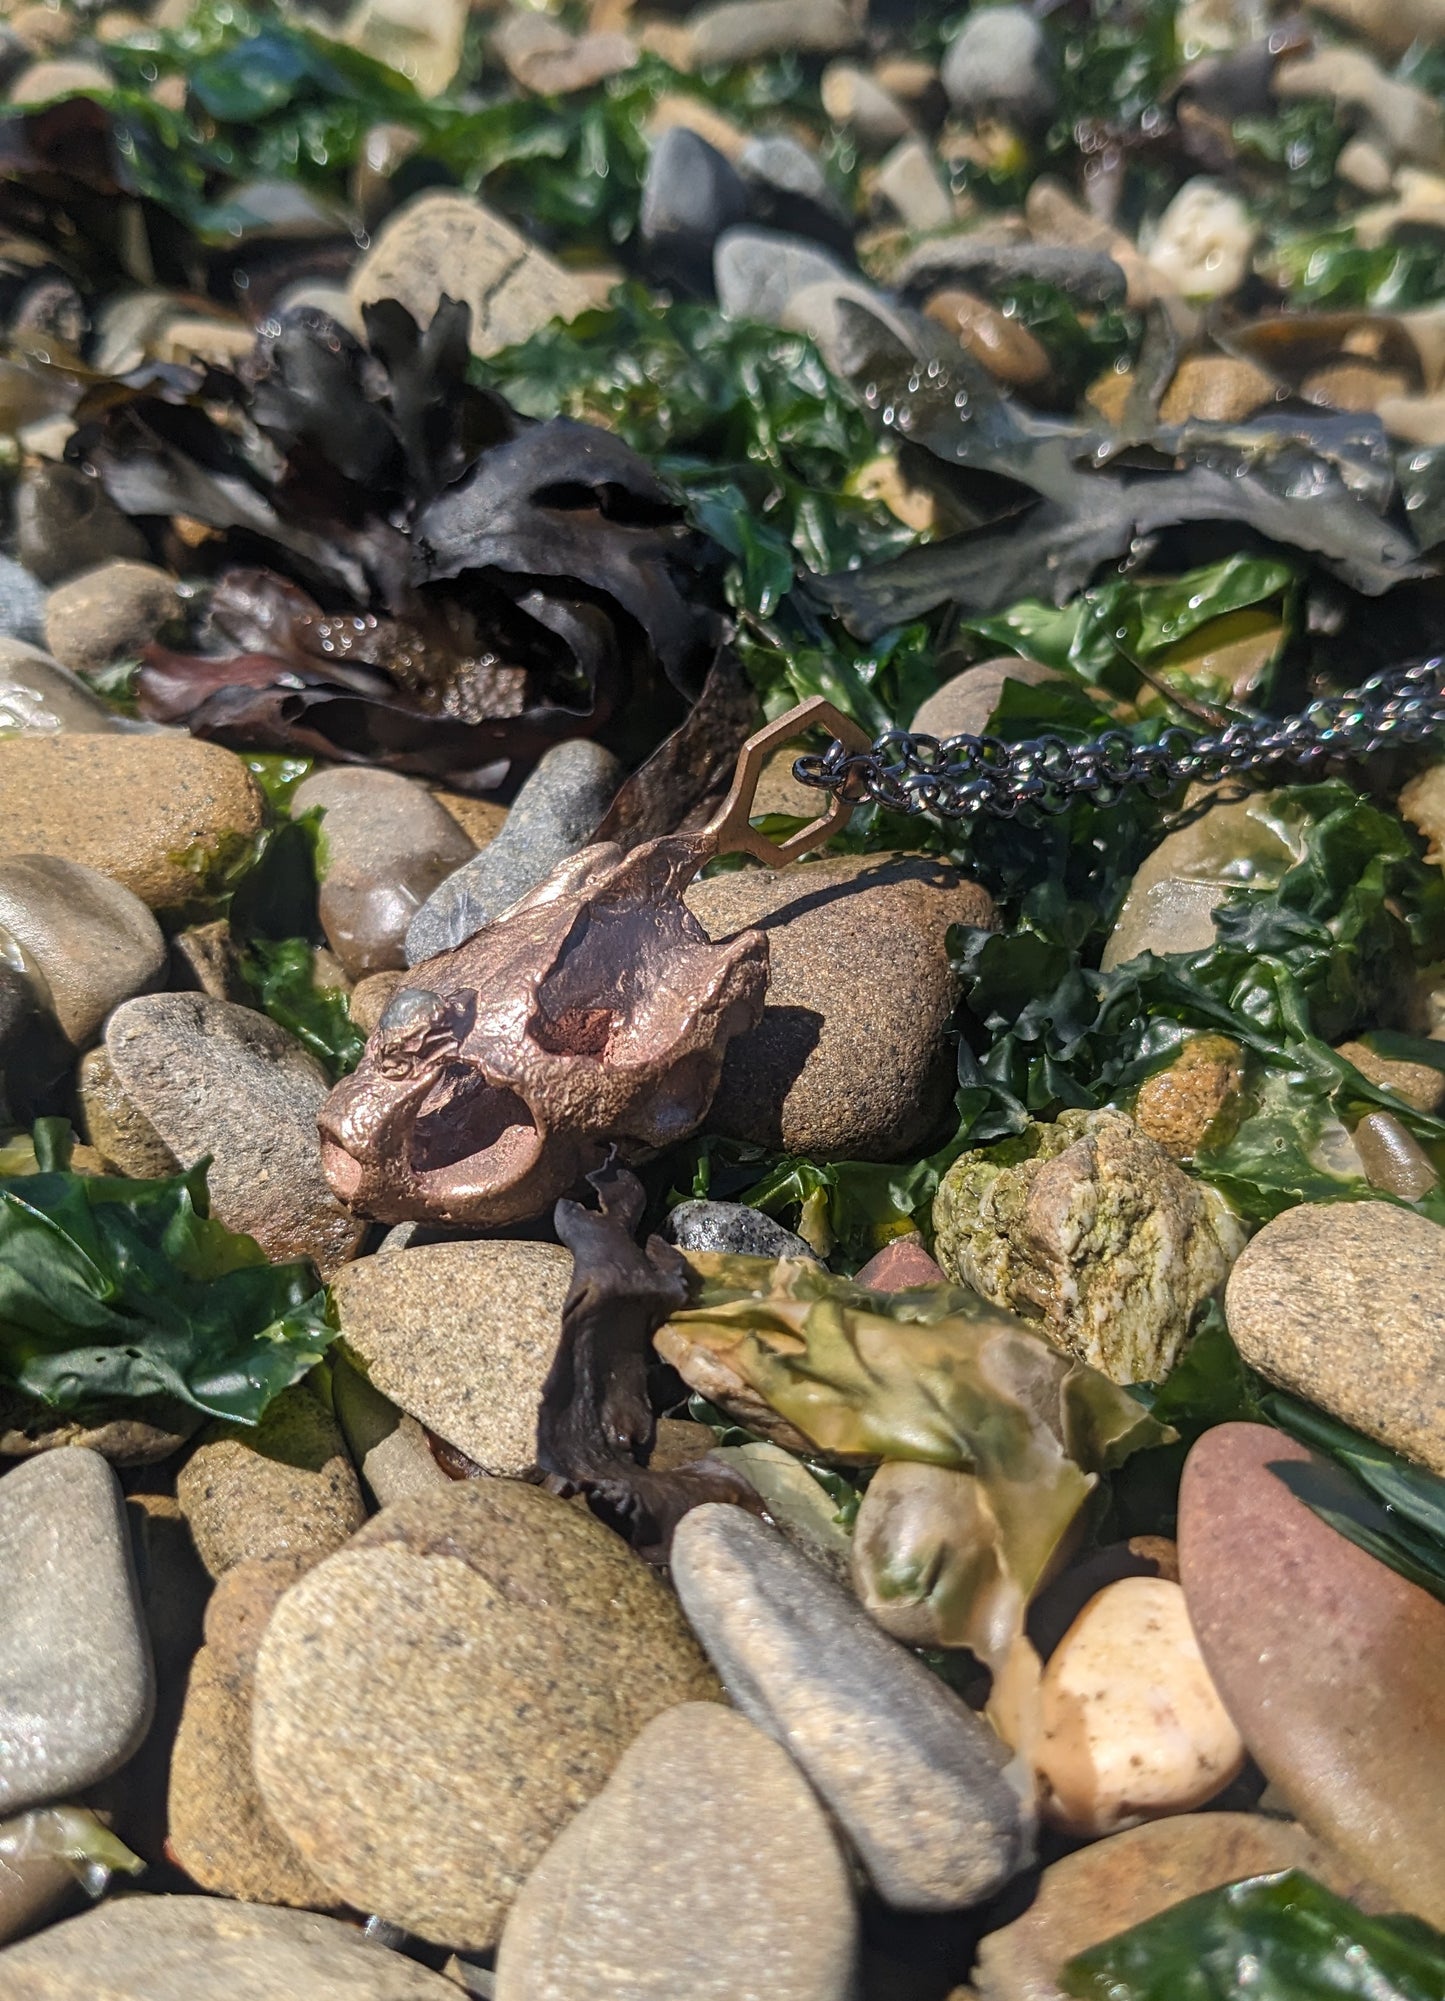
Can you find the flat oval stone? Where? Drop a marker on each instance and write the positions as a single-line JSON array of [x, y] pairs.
[[912, 1776], [851, 1057], [92, 941], [1332, 1665], [76, 1680], [39, 697], [1344, 1304], [730, 1863], [183, 1948], [1112, 1885], [184, 1075], [462, 1337], [155, 812], [434, 1702], [385, 845]]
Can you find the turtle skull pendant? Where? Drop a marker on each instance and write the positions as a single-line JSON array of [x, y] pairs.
[[592, 1015]]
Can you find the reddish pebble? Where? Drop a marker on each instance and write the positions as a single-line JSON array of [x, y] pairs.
[[900, 1264], [1331, 1664]]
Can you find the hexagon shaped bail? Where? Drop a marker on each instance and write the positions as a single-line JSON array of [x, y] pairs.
[[731, 829]]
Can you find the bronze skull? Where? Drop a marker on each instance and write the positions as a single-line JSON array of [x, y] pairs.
[[593, 1014]]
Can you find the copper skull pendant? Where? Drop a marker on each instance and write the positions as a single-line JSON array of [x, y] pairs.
[[592, 1015]]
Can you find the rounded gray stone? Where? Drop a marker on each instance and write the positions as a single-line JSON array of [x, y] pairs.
[[964, 705], [385, 845], [389, 1448], [1343, 1303], [462, 1337], [999, 65], [39, 697], [690, 195], [552, 817], [757, 271], [732, 1226], [209, 1949], [202, 1076], [92, 941], [22, 603], [910, 1774], [77, 1685], [739, 31], [65, 522], [730, 1864]]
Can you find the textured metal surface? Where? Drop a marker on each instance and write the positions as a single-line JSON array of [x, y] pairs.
[[958, 777]]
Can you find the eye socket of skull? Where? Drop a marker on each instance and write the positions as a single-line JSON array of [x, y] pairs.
[[471, 1137]]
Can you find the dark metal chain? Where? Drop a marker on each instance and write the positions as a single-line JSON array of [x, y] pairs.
[[956, 777]]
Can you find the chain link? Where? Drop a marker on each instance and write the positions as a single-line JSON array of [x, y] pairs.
[[956, 777]]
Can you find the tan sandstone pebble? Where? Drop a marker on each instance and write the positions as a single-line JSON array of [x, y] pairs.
[[1088, 1226], [1131, 1725], [108, 614], [444, 242], [182, 1075], [141, 1948], [481, 820], [154, 812], [1343, 1303], [730, 1863], [1332, 1665], [220, 1833], [1113, 1885], [282, 1487], [1418, 1084], [367, 1001], [150, 1430], [1216, 389], [964, 706], [1179, 1105], [462, 1337], [1177, 888], [1002, 344], [1354, 385], [851, 1056], [436, 1701]]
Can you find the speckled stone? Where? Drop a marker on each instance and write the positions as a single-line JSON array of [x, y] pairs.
[[92, 943], [730, 1864], [281, 1487], [911, 1775], [139, 1434], [152, 811], [385, 845], [461, 1336], [76, 1680], [1332, 1665], [183, 1075], [732, 1226], [435, 1702], [1343, 1303], [1110, 1886], [220, 1833], [851, 1057], [184, 1948]]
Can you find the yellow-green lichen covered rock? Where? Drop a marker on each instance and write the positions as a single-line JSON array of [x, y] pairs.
[[1088, 1227]]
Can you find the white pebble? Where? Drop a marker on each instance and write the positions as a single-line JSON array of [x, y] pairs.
[[1202, 244], [1131, 1726]]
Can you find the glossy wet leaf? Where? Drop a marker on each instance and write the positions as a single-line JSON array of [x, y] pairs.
[[281, 975], [114, 1290], [1268, 1938]]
